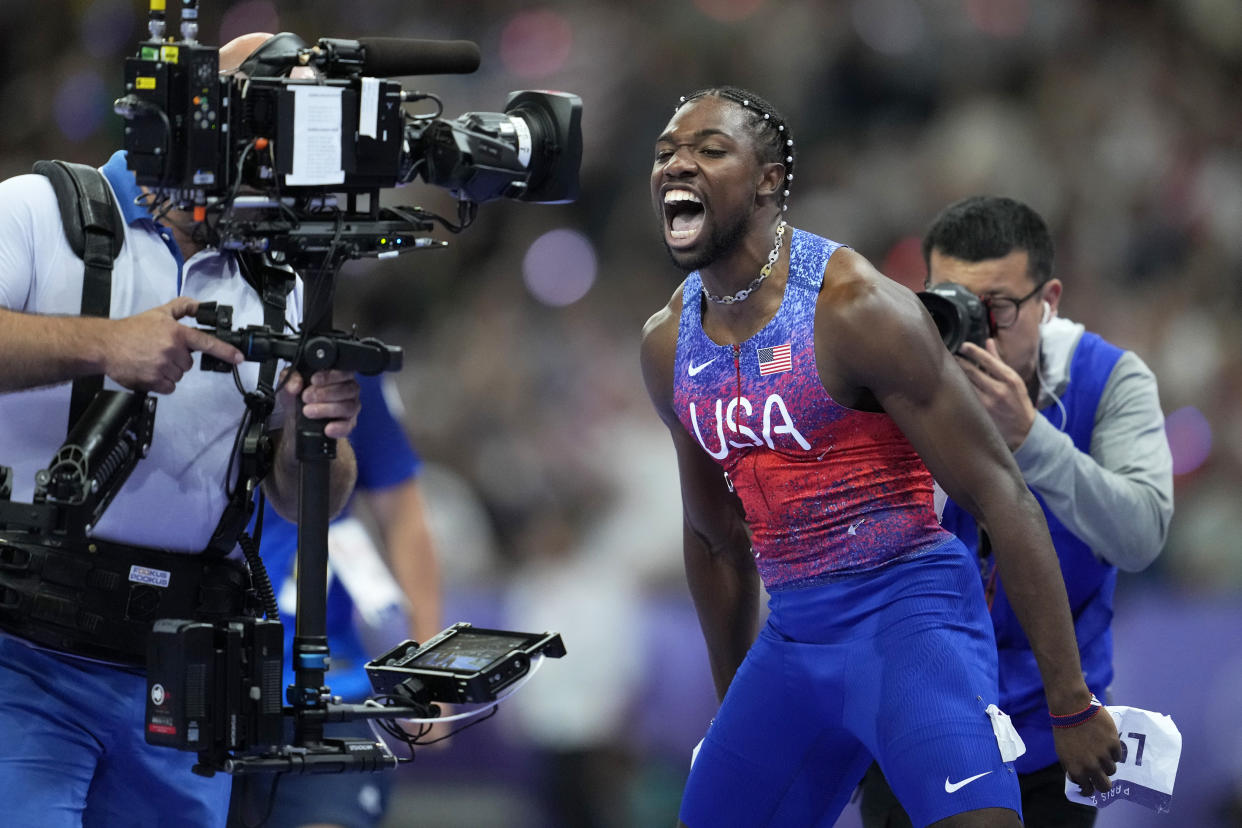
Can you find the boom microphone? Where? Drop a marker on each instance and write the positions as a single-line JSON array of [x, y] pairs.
[[397, 56]]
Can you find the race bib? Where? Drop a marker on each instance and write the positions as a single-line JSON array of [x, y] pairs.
[[1152, 747]]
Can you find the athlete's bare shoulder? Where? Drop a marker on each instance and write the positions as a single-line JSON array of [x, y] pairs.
[[864, 321], [665, 316], [659, 352], [851, 283]]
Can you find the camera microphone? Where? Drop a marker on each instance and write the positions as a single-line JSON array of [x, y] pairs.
[[373, 56], [399, 56]]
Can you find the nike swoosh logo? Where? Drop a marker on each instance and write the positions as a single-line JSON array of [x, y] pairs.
[[954, 787], [693, 369]]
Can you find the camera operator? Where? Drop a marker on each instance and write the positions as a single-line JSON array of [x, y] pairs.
[[1083, 420], [74, 751]]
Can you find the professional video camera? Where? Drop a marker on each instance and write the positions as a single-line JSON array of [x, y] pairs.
[[257, 138], [960, 316], [287, 171]]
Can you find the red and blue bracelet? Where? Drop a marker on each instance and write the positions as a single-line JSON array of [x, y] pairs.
[[1075, 719]]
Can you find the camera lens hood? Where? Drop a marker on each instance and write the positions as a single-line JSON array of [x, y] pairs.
[[960, 316]]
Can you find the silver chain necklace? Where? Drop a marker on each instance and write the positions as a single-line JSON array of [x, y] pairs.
[[742, 294]]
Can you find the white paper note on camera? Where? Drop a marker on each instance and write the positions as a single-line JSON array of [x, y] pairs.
[[316, 136], [1145, 775]]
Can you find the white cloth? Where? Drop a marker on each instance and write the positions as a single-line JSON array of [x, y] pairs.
[[1146, 774], [1007, 737], [176, 494]]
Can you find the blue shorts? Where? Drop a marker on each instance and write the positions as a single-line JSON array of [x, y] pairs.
[[898, 664], [75, 754]]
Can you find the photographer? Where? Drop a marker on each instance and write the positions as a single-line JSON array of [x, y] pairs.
[[74, 748], [1082, 418]]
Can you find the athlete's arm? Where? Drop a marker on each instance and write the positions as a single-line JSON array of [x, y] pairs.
[[872, 335], [720, 568]]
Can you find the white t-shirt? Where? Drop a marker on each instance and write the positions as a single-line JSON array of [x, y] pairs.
[[176, 494]]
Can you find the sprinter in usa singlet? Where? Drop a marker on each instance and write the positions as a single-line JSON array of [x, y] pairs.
[[808, 399], [878, 641]]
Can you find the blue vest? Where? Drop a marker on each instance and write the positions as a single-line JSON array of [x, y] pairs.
[[1088, 580]]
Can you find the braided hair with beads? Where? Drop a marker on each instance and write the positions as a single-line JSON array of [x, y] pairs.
[[773, 140]]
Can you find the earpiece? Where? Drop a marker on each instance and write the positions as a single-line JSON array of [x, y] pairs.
[[1047, 313]]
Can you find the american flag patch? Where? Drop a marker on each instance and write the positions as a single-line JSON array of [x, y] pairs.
[[774, 360]]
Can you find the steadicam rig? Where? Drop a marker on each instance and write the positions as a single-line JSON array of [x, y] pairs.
[[286, 169]]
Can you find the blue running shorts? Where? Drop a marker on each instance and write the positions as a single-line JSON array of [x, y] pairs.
[[898, 664]]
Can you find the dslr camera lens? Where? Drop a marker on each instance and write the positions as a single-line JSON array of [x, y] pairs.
[[960, 316]]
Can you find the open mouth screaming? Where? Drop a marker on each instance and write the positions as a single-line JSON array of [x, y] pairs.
[[683, 216]]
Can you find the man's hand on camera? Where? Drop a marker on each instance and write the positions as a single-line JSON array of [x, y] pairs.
[[1001, 390], [151, 351], [330, 395]]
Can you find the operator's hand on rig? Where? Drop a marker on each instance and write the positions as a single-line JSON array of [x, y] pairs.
[[151, 351], [331, 395]]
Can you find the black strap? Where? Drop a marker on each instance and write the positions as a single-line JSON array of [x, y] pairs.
[[95, 232]]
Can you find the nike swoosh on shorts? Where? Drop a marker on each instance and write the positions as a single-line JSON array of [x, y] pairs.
[[954, 787]]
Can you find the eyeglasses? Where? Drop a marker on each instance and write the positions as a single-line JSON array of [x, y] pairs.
[[1004, 310]]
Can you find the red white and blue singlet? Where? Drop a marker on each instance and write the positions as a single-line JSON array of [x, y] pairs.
[[878, 643], [827, 490]]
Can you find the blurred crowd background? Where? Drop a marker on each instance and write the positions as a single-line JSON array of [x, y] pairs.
[[552, 484]]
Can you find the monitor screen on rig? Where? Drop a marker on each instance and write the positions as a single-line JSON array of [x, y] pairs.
[[466, 652]]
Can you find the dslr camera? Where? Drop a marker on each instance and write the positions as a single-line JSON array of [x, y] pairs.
[[960, 315]]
